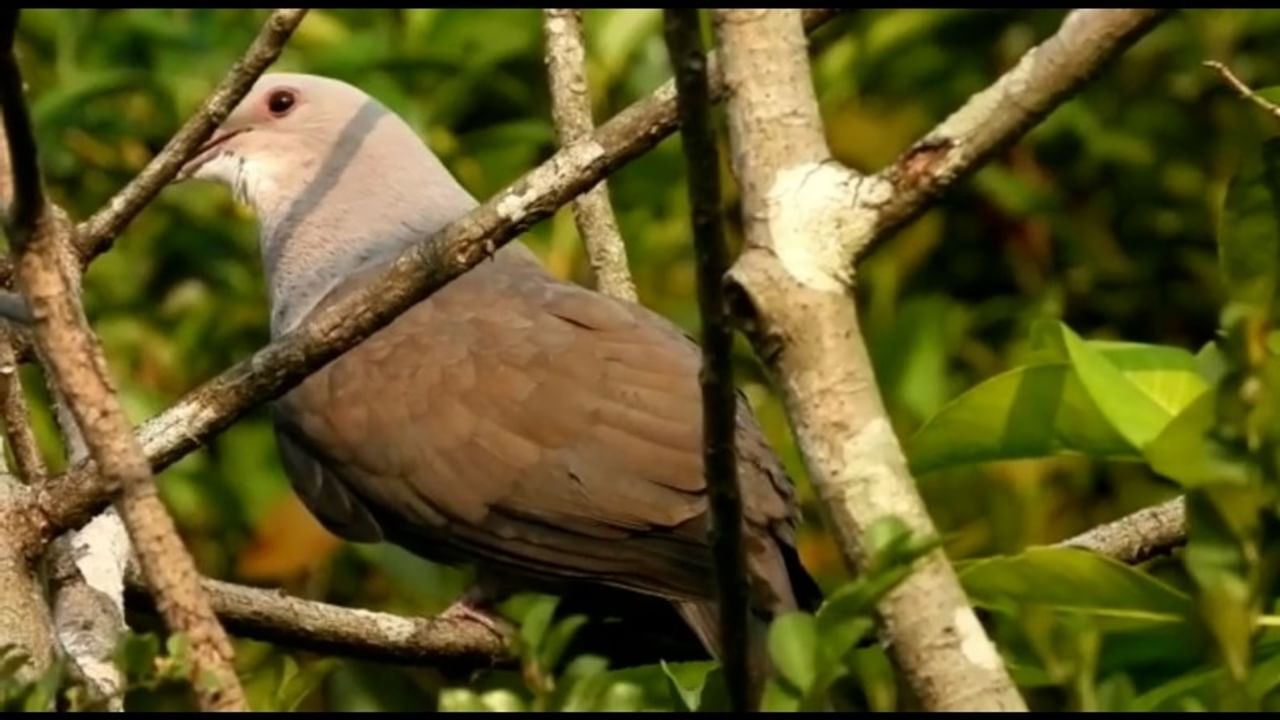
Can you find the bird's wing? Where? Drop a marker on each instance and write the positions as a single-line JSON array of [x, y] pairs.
[[540, 426]]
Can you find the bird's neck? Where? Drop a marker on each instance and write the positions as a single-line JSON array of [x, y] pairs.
[[299, 275]]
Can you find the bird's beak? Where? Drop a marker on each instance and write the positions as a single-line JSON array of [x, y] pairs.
[[205, 153]]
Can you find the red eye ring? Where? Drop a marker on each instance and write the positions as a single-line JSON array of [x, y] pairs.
[[281, 102]]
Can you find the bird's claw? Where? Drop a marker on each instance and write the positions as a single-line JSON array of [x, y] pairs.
[[466, 610]]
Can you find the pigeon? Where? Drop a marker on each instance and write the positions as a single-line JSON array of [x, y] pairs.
[[541, 432]]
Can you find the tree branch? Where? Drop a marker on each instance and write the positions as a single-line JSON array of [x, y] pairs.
[[793, 295], [719, 404], [571, 109], [42, 237], [1045, 77], [13, 404], [1138, 536], [76, 496], [273, 616]]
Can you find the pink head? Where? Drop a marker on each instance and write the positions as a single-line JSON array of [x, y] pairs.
[[335, 179]]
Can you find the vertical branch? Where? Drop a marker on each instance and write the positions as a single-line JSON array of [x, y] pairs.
[[85, 567], [571, 109], [719, 406], [791, 289], [43, 239], [13, 404]]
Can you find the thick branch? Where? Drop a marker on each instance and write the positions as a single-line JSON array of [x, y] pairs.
[[793, 294], [273, 616], [719, 404], [42, 240], [73, 498], [1138, 536], [1045, 77], [571, 109]]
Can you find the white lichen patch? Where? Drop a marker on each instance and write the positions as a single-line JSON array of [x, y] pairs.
[[974, 644], [818, 215], [569, 162], [101, 551]]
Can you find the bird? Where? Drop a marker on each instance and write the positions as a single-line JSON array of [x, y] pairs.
[[539, 431]]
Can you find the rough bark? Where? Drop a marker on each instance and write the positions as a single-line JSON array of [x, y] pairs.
[[42, 238], [794, 296], [571, 110], [272, 616], [1138, 536]]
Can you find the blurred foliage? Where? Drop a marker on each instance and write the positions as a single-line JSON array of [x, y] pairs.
[[1100, 226]]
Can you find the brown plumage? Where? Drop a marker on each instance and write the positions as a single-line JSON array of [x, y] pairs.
[[545, 432]]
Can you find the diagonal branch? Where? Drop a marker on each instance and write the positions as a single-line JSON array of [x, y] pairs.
[[719, 405], [96, 234], [76, 496], [41, 235], [1045, 77], [571, 109]]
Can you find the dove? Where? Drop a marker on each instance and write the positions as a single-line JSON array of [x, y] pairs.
[[545, 434]]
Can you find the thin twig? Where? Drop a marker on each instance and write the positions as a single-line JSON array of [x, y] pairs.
[[1043, 78], [1138, 536], [17, 422], [571, 109], [76, 496], [719, 404], [42, 237], [273, 616], [1245, 91]]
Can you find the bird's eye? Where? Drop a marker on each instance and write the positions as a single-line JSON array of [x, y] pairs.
[[281, 102]]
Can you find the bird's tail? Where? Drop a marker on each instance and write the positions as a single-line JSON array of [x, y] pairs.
[[704, 619]]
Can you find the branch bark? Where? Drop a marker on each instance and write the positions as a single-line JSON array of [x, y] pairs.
[[1138, 536], [799, 311], [13, 404], [42, 237], [74, 497], [273, 616], [1045, 77], [719, 404], [571, 110]]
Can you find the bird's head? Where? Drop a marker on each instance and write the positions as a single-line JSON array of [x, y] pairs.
[[335, 179]]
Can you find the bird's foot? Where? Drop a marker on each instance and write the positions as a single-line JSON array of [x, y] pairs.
[[469, 610]]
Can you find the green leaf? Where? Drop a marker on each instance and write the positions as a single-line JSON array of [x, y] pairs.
[[45, 690], [1185, 452], [621, 697], [687, 680], [1075, 581], [558, 639], [1133, 413], [502, 700], [536, 621], [1029, 412], [1248, 237], [793, 643], [460, 700], [780, 697]]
